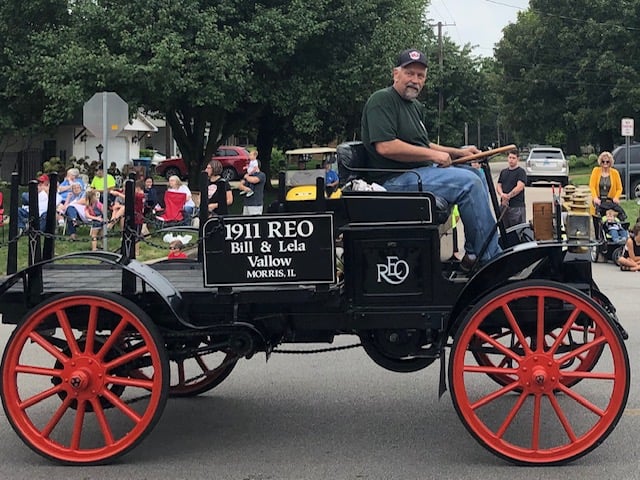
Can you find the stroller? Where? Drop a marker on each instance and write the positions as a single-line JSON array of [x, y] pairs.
[[607, 248]]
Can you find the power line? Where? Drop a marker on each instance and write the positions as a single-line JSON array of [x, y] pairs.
[[565, 17]]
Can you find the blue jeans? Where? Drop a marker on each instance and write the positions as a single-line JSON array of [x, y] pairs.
[[72, 219], [23, 218], [618, 236], [464, 187]]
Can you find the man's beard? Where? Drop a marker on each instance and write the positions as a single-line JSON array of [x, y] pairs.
[[410, 92]]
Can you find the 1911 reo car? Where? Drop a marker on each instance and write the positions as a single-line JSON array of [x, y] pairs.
[[538, 370]]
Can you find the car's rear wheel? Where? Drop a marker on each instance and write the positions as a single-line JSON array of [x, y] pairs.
[[171, 171], [635, 188], [228, 174]]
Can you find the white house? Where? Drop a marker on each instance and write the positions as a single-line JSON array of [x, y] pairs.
[[27, 155]]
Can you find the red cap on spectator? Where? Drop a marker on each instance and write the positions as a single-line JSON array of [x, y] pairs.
[[43, 178]]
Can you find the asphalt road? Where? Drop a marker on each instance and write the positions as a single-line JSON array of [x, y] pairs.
[[339, 416]]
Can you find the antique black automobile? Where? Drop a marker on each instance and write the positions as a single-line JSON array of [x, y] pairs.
[[537, 367]]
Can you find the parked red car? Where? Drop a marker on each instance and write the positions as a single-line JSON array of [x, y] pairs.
[[234, 163]]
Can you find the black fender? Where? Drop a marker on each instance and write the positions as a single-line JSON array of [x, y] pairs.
[[526, 260], [159, 283]]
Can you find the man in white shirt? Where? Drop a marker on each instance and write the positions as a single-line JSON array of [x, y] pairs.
[[43, 204]]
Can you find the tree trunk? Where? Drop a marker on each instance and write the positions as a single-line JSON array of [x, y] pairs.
[[264, 143]]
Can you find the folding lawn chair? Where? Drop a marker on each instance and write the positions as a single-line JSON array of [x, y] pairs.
[[173, 209]]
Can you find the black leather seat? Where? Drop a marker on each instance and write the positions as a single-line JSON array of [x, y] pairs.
[[352, 164]]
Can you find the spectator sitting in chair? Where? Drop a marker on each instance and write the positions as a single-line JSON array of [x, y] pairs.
[[613, 227], [176, 185], [331, 179], [73, 176], [150, 196], [43, 204], [73, 209]]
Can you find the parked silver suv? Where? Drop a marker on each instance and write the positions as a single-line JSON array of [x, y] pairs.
[[548, 164], [620, 157]]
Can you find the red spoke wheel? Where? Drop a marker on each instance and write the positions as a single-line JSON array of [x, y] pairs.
[[558, 398], [69, 383], [487, 354], [200, 373]]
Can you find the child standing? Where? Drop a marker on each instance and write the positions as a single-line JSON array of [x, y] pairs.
[[245, 187], [93, 212], [614, 228]]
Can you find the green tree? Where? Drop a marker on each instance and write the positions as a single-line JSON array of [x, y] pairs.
[[21, 94], [289, 69], [571, 70]]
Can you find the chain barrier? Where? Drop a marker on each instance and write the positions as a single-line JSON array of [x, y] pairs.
[[82, 238]]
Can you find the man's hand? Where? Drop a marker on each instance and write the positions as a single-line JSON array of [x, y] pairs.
[[443, 160], [469, 150]]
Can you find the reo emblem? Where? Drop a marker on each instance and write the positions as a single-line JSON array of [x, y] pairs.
[[394, 272]]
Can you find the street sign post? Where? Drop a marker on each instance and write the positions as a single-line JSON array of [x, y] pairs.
[[105, 115], [626, 129]]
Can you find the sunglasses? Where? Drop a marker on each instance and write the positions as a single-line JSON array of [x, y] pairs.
[[174, 248], [604, 162]]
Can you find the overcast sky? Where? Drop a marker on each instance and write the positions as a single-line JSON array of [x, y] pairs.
[[478, 22]]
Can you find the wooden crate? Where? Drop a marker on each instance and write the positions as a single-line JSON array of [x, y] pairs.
[[543, 220]]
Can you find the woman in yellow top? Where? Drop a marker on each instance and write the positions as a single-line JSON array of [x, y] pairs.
[[605, 183]]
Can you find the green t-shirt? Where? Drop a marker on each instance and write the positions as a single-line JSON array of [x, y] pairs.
[[387, 116]]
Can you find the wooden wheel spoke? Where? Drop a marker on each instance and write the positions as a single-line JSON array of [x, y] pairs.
[[129, 382], [48, 347], [511, 415], [591, 375], [581, 400], [181, 375], [562, 417], [33, 370], [92, 325], [63, 320], [199, 360], [77, 425], [113, 338], [102, 421], [516, 328], [565, 330], [31, 401], [126, 358], [540, 325], [535, 428], [493, 396], [488, 370], [506, 351], [64, 406], [582, 349], [120, 405]]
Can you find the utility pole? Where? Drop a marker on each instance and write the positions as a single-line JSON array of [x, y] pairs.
[[441, 64]]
